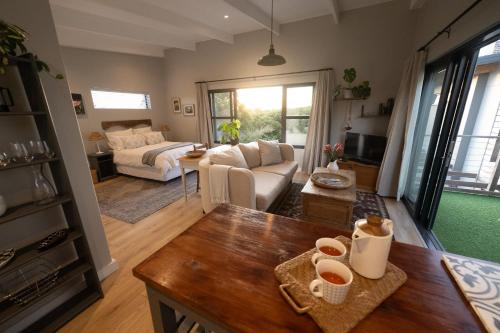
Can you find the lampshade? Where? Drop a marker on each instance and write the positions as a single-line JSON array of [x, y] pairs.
[[164, 128], [271, 59], [95, 136]]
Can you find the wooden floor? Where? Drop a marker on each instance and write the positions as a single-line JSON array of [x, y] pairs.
[[125, 307]]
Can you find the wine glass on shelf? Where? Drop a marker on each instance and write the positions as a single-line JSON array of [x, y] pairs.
[[49, 153], [36, 148], [4, 159]]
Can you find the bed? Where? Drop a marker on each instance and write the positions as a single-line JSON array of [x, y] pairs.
[[129, 161]]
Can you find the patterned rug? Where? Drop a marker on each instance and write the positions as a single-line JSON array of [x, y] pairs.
[[131, 199], [366, 204]]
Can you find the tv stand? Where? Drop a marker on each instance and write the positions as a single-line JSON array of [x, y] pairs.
[[366, 174]]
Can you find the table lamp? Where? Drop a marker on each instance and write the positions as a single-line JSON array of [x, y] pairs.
[[96, 137]]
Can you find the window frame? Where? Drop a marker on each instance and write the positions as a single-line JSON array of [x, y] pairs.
[[147, 96], [234, 107]]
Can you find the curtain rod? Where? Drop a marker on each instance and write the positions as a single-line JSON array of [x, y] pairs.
[[447, 29], [268, 75]]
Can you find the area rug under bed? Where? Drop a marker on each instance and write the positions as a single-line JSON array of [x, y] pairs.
[[366, 204], [131, 199]]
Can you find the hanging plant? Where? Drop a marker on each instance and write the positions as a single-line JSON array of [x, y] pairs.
[[12, 38]]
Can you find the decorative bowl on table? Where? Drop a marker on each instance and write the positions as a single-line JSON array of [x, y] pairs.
[[195, 153], [331, 180]]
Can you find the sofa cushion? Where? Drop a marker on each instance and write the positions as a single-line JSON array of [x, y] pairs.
[[232, 157], [251, 153], [267, 188], [285, 168], [270, 152]]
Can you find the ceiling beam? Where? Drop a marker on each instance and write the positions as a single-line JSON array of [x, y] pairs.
[[95, 41], [416, 4], [152, 10], [255, 13], [334, 10], [163, 20], [66, 17]]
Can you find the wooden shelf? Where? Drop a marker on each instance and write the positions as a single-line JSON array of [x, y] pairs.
[[17, 212], [374, 116], [30, 113], [30, 252], [25, 164], [66, 275], [349, 99]]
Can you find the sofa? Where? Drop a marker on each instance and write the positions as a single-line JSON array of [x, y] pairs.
[[257, 186]]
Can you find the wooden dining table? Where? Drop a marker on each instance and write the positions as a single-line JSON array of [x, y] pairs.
[[220, 273]]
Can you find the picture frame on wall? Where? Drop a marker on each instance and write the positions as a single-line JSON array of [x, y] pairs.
[[78, 103], [189, 110], [176, 104]]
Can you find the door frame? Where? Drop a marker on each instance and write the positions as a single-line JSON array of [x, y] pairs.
[[460, 64]]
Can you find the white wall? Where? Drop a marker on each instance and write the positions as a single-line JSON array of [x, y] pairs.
[[35, 16], [88, 69], [375, 40], [435, 15]]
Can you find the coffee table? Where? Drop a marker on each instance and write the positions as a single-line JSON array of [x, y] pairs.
[[220, 273], [329, 205]]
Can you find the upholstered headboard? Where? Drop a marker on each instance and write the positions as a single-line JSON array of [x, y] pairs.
[[125, 124]]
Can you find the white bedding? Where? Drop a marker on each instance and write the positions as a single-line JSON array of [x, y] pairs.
[[165, 161]]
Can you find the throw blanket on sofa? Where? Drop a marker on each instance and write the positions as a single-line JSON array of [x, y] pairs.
[[149, 157], [219, 183]]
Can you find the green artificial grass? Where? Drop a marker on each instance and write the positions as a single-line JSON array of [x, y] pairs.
[[469, 224]]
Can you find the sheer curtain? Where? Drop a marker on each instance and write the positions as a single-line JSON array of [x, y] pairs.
[[204, 123], [319, 123], [394, 169]]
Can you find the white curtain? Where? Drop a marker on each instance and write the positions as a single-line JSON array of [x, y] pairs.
[[319, 123], [394, 169], [204, 123]]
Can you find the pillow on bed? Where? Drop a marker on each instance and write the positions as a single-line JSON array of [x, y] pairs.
[[232, 157], [133, 141], [142, 130], [153, 138], [114, 138]]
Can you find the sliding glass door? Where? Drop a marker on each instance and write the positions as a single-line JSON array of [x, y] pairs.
[[444, 98]]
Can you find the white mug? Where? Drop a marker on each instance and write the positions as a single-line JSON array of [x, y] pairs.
[[328, 242], [331, 292]]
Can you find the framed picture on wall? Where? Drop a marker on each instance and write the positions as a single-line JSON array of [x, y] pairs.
[[176, 104], [78, 103], [189, 110]]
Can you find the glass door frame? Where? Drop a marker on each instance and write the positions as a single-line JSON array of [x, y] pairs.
[[460, 65]]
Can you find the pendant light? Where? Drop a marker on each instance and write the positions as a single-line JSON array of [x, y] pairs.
[[271, 59]]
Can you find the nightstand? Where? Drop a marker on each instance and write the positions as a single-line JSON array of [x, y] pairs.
[[103, 164]]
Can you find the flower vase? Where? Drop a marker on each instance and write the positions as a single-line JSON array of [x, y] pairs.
[[333, 166]]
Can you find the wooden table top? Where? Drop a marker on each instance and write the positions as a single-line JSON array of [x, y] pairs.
[[348, 194], [222, 268]]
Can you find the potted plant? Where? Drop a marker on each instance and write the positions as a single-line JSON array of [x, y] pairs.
[[12, 40], [230, 132], [349, 77], [334, 153], [362, 91]]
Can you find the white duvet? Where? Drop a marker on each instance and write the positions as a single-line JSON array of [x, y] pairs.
[[165, 161]]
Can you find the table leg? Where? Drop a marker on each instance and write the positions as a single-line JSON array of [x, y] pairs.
[[163, 316], [183, 174]]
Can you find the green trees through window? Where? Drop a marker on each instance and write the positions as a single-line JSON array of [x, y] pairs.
[[264, 113]]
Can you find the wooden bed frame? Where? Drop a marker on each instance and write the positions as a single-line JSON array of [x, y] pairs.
[[126, 123]]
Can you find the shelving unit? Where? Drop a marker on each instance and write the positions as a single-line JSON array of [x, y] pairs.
[[77, 285]]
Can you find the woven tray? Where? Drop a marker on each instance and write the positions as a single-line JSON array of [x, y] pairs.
[[363, 297]]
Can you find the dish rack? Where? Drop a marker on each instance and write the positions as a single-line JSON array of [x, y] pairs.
[[28, 283]]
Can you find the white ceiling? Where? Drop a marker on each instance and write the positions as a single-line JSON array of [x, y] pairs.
[[148, 27]]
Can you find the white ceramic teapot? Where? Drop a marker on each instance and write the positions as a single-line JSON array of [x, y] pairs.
[[371, 243]]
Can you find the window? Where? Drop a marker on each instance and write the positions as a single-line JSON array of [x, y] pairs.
[[268, 113], [103, 99]]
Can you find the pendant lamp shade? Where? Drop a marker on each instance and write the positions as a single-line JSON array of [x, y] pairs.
[[271, 59]]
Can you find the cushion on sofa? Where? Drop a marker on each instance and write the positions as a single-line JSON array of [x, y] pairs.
[[232, 157], [285, 168], [251, 153], [270, 152], [267, 188]]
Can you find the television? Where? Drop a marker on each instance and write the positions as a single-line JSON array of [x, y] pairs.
[[364, 148]]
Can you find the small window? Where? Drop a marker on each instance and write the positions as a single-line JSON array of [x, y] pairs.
[[103, 99]]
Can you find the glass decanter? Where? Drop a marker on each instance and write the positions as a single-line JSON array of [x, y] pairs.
[[43, 191]]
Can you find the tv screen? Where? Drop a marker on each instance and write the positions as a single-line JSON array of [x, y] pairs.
[[364, 148]]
